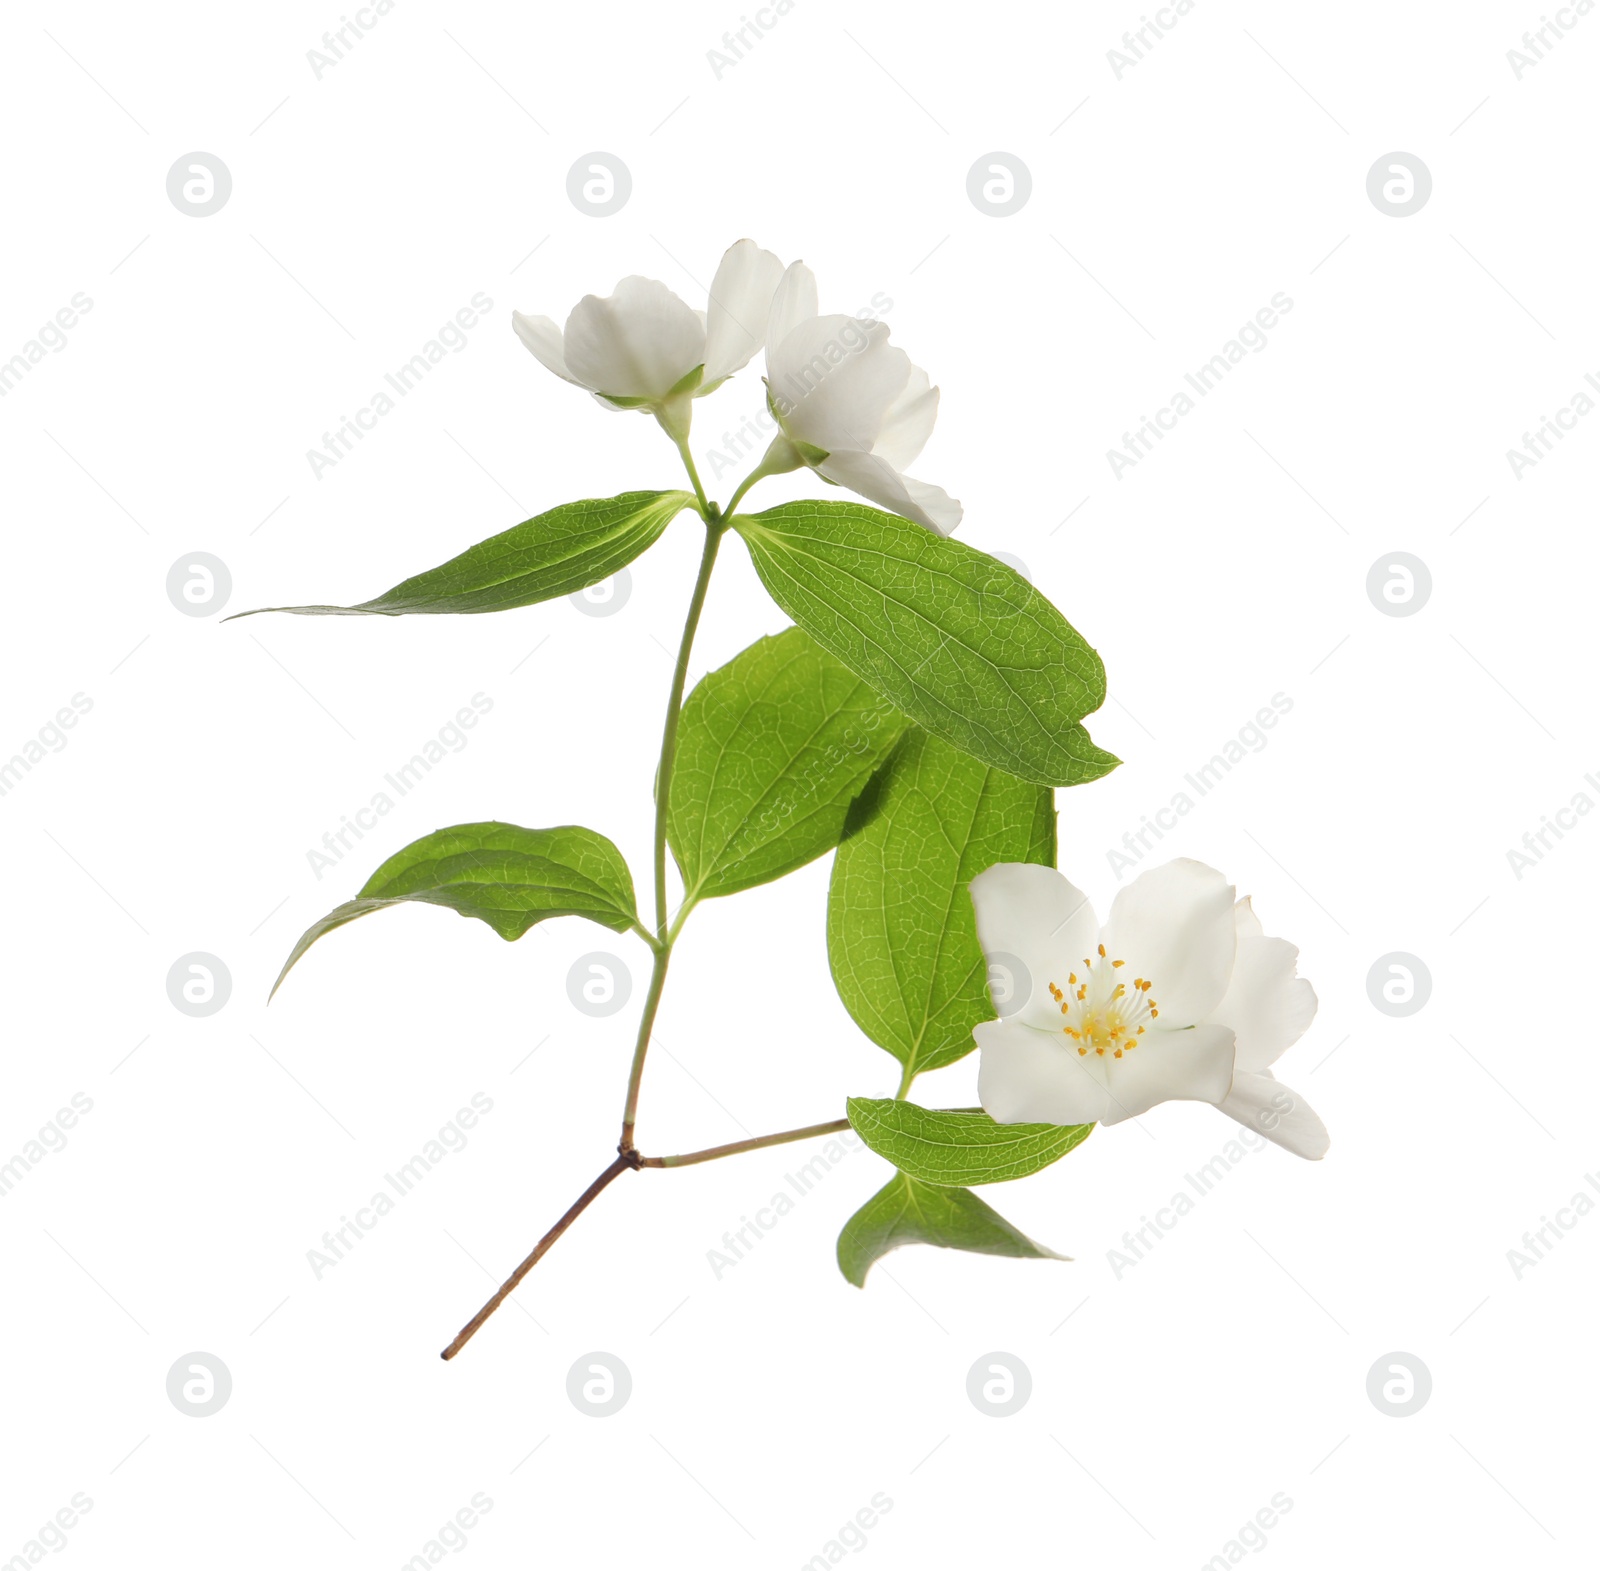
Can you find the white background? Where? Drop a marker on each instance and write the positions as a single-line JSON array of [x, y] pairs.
[[1169, 1405]]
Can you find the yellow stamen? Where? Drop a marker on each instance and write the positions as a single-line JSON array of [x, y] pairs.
[[1102, 1012]]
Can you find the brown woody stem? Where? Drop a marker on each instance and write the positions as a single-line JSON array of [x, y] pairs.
[[624, 1161], [629, 1158]]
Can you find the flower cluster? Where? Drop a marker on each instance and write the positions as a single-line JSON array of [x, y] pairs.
[[1180, 996], [848, 403]]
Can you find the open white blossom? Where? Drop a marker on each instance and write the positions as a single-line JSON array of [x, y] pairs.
[[643, 348], [1179, 997], [850, 405]]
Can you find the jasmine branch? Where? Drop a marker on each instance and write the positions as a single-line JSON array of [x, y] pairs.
[[661, 940], [625, 1160]]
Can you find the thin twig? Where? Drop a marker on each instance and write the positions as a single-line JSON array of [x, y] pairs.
[[624, 1161], [711, 1153]]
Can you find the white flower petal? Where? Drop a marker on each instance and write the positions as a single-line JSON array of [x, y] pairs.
[[1267, 1005], [1168, 1066], [869, 476], [794, 302], [741, 301], [834, 379], [1245, 921], [1025, 1077], [1033, 915], [931, 505], [637, 343], [909, 422], [1174, 926], [542, 337], [1272, 1110]]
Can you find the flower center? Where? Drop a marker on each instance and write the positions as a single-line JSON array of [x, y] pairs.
[[1103, 1014]]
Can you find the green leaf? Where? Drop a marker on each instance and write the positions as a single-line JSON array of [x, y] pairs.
[[773, 748], [501, 874], [557, 553], [956, 1146], [966, 647], [902, 940], [908, 1211]]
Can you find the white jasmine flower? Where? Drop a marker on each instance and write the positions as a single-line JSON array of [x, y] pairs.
[[850, 405], [1179, 997], [644, 348]]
